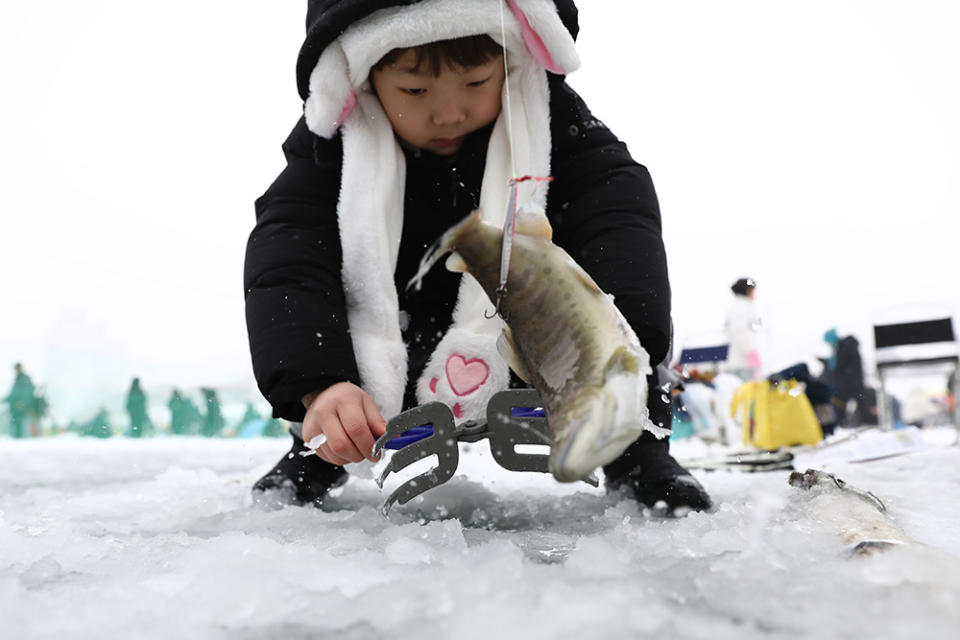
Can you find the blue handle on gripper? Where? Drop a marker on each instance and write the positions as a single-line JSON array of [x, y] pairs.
[[527, 412], [410, 436]]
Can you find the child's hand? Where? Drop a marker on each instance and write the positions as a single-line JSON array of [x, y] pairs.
[[350, 420]]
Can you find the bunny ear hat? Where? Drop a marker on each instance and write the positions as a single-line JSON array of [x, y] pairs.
[[465, 368]]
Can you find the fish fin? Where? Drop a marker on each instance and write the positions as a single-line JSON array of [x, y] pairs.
[[633, 343], [507, 349], [532, 221], [561, 365], [585, 278], [444, 244], [622, 360], [455, 263]]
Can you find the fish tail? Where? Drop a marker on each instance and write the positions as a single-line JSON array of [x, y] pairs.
[[443, 245]]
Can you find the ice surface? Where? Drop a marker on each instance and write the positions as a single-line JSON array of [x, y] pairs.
[[159, 539]]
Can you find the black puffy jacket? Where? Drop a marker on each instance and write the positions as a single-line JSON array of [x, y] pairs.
[[602, 206]]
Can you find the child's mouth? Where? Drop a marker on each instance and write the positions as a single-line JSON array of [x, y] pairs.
[[447, 142]]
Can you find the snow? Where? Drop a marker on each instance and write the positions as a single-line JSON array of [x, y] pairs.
[[159, 538]]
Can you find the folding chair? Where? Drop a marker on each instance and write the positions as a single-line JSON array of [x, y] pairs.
[[704, 355], [926, 344]]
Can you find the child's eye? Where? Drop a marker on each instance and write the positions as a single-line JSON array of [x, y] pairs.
[[414, 92], [477, 83]]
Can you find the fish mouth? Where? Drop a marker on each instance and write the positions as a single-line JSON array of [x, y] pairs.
[[563, 470], [590, 435], [582, 453]]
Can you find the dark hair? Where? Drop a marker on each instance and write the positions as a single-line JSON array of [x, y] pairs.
[[471, 51], [741, 286]]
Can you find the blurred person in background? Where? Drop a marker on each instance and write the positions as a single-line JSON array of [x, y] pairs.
[[98, 426], [184, 415], [140, 423], [742, 326], [213, 420], [843, 371], [21, 400]]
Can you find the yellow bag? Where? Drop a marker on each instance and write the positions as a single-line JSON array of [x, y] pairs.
[[775, 415]]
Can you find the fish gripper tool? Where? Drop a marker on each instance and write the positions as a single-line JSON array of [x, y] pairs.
[[513, 417]]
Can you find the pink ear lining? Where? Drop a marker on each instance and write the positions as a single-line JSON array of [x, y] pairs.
[[348, 106], [533, 41]]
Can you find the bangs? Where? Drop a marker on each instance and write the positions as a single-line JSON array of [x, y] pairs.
[[463, 53]]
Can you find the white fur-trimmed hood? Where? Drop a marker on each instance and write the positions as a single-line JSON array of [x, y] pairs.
[[344, 66]]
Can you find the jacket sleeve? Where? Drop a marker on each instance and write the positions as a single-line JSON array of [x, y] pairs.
[[295, 307], [605, 214]]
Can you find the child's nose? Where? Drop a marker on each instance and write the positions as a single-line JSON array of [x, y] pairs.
[[449, 112]]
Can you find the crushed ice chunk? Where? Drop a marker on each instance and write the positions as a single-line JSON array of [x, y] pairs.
[[315, 443]]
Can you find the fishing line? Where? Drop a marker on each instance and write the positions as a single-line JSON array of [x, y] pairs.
[[510, 220], [506, 86]]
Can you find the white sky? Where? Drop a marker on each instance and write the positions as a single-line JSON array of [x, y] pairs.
[[812, 145]]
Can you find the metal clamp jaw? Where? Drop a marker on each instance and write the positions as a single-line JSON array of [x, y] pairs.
[[513, 417]]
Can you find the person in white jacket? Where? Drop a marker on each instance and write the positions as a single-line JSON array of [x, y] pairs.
[[742, 327]]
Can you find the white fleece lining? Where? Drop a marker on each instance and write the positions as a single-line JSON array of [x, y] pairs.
[[370, 209], [370, 221]]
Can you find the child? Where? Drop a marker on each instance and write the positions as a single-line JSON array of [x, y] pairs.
[[742, 326], [410, 123]]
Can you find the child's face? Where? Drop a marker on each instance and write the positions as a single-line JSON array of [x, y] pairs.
[[434, 113]]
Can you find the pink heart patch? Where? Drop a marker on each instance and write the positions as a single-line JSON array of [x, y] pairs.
[[466, 376]]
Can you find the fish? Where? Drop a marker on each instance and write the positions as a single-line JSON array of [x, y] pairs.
[[564, 336], [859, 516]]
